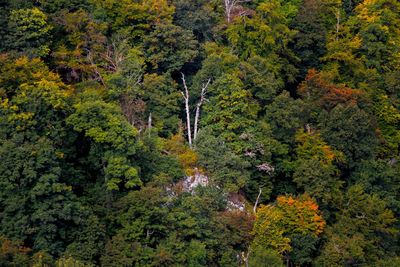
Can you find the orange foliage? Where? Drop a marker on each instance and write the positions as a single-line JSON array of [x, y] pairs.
[[301, 213], [8, 247], [327, 95], [328, 152]]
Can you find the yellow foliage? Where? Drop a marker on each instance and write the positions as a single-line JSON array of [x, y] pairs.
[[289, 215], [187, 157], [364, 10]]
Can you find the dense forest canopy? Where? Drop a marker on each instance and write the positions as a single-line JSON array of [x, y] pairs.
[[199, 133]]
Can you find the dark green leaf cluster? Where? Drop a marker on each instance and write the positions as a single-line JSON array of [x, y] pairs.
[[199, 133]]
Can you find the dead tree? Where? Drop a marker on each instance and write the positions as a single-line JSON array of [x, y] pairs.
[[186, 98], [149, 124], [231, 6], [258, 199], [117, 55], [98, 76], [337, 24], [198, 107]]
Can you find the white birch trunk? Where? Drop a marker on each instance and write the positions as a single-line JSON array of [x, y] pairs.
[[256, 204], [149, 124], [186, 98], [198, 107]]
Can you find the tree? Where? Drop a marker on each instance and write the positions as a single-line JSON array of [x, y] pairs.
[[234, 8], [162, 102], [168, 47], [29, 32], [349, 129], [13, 253], [284, 116], [201, 101], [262, 78], [55, 6], [314, 168], [82, 44], [104, 124], [277, 224], [231, 109], [357, 237], [133, 18], [225, 168], [265, 34], [309, 43], [261, 257], [37, 203], [379, 177], [197, 16], [320, 92]]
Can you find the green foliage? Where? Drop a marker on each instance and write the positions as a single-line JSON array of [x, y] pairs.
[[81, 46], [261, 257], [69, 261], [104, 124], [310, 40], [231, 110], [38, 202], [380, 177], [87, 242], [314, 168], [197, 16], [54, 6], [133, 17], [349, 129], [28, 32], [363, 223], [162, 98], [303, 249], [226, 169], [162, 229], [261, 78], [275, 225], [264, 34], [13, 254], [283, 114], [289, 98], [168, 47]]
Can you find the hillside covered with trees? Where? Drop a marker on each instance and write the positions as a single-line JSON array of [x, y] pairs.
[[199, 133]]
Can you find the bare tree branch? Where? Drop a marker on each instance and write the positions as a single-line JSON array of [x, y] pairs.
[[230, 6], [96, 70]]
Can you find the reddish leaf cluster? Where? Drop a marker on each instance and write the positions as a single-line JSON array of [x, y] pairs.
[[326, 94]]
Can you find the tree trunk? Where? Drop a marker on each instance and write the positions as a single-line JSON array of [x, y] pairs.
[[186, 98], [198, 107], [149, 124], [337, 24], [258, 198]]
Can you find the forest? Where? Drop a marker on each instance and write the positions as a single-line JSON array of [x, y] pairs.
[[194, 133]]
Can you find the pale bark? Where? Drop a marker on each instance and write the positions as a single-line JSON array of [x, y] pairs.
[[230, 6], [258, 199], [308, 128], [186, 98], [337, 24], [149, 124], [198, 107], [245, 258], [96, 70]]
